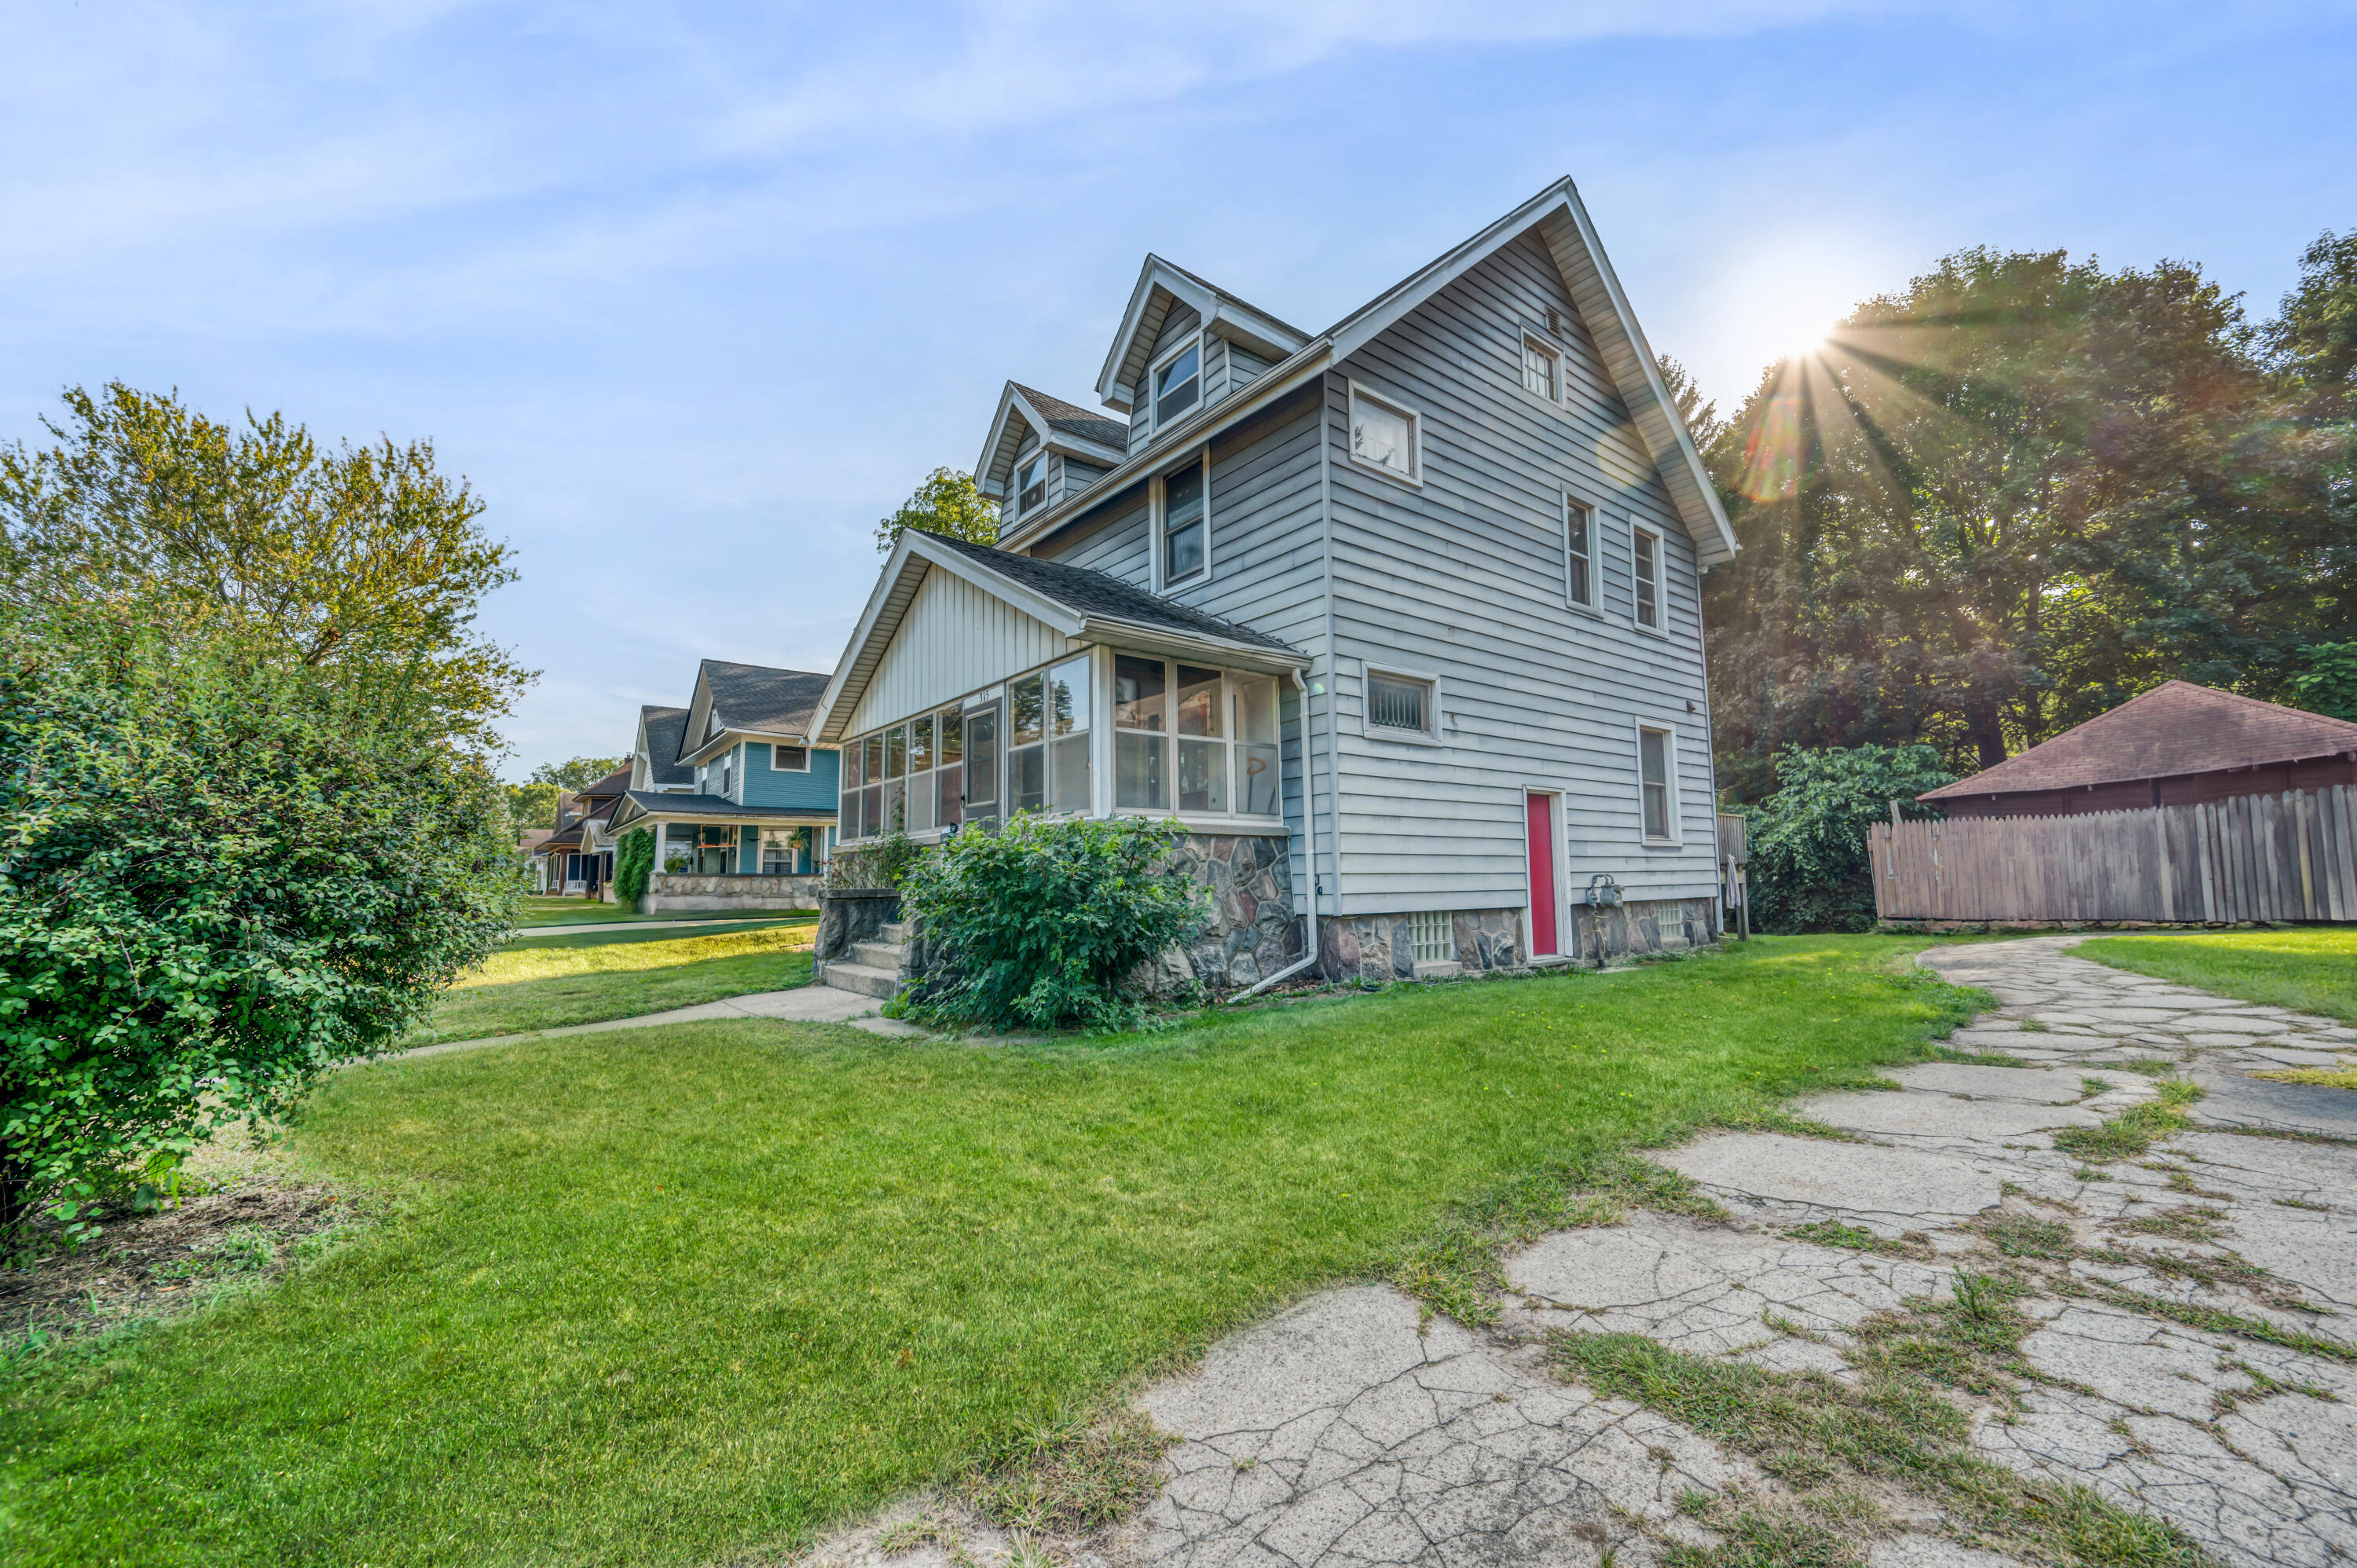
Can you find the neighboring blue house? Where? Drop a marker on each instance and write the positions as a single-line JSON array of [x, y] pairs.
[[1401, 618], [741, 804]]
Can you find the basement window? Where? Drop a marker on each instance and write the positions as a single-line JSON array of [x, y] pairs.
[[1431, 936]]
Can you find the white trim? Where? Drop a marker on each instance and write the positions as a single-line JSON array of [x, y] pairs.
[[1659, 581], [1158, 505], [1532, 338], [1414, 479], [1232, 317], [1669, 733], [1574, 501], [1371, 730], [806, 751]]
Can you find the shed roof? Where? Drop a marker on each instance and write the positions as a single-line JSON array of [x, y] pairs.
[[2174, 729], [1087, 593]]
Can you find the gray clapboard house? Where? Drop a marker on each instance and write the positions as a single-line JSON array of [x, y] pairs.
[[1400, 618]]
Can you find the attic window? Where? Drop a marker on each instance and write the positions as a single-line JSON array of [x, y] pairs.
[[1177, 382], [1539, 370], [1031, 484]]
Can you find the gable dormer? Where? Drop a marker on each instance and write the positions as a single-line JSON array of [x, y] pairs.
[[1184, 345], [1042, 449]]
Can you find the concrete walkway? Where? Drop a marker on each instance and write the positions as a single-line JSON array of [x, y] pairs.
[[1342, 1433], [804, 1003]]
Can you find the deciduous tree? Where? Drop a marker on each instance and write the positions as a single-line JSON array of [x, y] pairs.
[[948, 502]]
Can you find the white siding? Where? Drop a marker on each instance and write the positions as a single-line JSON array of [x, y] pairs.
[[1465, 578], [955, 639]]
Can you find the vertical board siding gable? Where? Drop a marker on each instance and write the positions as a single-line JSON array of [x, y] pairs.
[[954, 639]]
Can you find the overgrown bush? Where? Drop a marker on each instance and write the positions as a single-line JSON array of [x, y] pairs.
[[634, 863], [883, 864], [1808, 869], [1035, 924]]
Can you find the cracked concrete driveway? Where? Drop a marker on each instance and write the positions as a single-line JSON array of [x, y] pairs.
[[1343, 1434]]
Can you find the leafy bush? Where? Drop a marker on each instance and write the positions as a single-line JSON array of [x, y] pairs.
[[634, 863], [1808, 869], [883, 864], [1035, 924], [2328, 685]]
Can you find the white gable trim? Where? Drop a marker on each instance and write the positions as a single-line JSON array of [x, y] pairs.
[[1570, 235], [1224, 316]]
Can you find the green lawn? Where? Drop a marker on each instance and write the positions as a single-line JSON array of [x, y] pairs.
[[604, 936], [547, 982], [2308, 969], [666, 1297], [583, 912]]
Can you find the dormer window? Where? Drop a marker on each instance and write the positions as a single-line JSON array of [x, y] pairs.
[[1031, 484], [1177, 382]]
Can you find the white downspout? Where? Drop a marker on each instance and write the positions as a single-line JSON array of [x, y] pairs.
[[1310, 826]]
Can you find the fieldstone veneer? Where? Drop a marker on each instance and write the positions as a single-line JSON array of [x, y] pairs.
[[1376, 948], [1252, 931]]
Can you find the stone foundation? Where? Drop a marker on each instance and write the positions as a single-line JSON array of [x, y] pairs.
[[1373, 950], [1252, 932], [676, 890], [857, 915]]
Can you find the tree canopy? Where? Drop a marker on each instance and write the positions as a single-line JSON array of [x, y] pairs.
[[2022, 489], [248, 821], [948, 502]]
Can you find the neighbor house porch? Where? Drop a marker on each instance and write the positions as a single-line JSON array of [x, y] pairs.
[[713, 854]]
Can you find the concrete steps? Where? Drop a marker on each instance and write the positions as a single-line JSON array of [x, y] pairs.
[[872, 968]]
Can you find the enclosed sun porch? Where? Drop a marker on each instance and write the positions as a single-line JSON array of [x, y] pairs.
[[981, 684]]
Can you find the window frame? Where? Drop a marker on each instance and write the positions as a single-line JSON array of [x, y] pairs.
[[1669, 733], [1023, 508], [1428, 679], [1360, 391], [1161, 517], [777, 746], [1154, 420], [1659, 581], [1592, 605], [1538, 342]]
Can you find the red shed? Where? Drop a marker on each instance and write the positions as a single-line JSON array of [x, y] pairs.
[[2175, 744]]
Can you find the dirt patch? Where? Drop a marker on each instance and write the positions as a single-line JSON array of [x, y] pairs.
[[245, 1215]]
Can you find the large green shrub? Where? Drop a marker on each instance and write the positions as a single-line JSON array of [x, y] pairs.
[[1808, 869], [1035, 924], [634, 863]]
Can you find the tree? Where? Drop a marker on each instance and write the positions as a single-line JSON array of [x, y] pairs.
[[1808, 869], [532, 805], [576, 773], [950, 503], [248, 822], [2007, 498]]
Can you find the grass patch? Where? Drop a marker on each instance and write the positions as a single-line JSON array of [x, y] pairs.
[[2136, 1130], [604, 936], [2308, 969], [584, 912], [517, 991], [1069, 1478], [689, 1295], [1820, 1436], [2323, 1077]]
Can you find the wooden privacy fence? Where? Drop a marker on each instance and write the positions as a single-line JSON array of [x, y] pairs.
[[2255, 857]]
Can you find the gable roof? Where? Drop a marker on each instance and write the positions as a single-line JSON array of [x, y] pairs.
[[1061, 426], [757, 698], [1563, 226], [661, 729], [2174, 729], [1160, 285], [1075, 600]]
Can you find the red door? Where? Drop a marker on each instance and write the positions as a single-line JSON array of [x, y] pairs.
[[1541, 814]]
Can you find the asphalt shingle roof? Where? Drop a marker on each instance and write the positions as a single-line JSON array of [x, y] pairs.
[[1092, 593], [756, 697], [1073, 420], [657, 802], [665, 728], [2174, 729]]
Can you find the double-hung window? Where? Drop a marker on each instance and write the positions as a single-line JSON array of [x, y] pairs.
[[1385, 436], [1202, 741], [726, 766], [923, 798], [847, 813], [1645, 555], [1047, 739], [1653, 760], [1031, 485], [1185, 527], [1141, 727], [785, 851], [1579, 554], [1542, 371], [1176, 382]]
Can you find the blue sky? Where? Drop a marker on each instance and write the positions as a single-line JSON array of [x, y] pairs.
[[694, 294]]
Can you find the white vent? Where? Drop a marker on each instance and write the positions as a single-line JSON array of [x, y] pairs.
[[1431, 937]]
